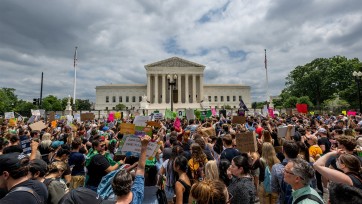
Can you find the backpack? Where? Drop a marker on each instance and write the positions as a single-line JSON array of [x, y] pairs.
[[29, 190], [105, 189], [309, 196], [267, 180]]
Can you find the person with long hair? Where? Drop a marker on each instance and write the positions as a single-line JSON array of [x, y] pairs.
[[210, 192], [268, 159], [170, 175], [242, 185], [183, 184], [349, 164], [211, 170], [197, 162], [224, 172]]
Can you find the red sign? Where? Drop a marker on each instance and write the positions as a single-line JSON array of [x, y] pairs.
[[302, 108]]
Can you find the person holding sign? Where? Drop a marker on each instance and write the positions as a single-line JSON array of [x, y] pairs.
[[126, 190]]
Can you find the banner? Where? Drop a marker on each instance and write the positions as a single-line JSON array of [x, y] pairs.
[[246, 142], [9, 115], [131, 145]]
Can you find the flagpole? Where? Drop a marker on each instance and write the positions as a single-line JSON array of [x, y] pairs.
[[75, 75], [267, 81]]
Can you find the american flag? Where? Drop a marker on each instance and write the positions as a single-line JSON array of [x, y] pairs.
[[75, 57]]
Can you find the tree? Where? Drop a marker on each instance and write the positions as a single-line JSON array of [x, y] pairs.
[[52, 103], [120, 106], [82, 104], [321, 79], [8, 100], [290, 102], [227, 107], [24, 107], [305, 100]]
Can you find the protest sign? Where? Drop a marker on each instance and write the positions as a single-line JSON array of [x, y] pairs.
[[12, 122], [208, 132], [38, 126], [9, 115], [222, 113], [344, 112], [77, 117], [190, 114], [282, 131], [351, 113], [246, 142], [213, 111], [127, 128], [117, 115], [302, 108], [86, 116], [69, 119], [141, 120], [131, 145], [111, 116], [157, 116], [153, 123], [35, 112], [181, 113], [238, 120], [25, 144], [141, 131], [51, 116]]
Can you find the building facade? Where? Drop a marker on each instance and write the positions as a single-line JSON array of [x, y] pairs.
[[173, 78]]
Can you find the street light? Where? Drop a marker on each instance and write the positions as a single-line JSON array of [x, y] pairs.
[[358, 78], [171, 82]]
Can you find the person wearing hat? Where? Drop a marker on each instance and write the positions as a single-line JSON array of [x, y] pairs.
[[38, 168], [14, 178], [323, 140], [298, 173]]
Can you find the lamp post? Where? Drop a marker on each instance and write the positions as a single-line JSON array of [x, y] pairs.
[[358, 78], [171, 82]]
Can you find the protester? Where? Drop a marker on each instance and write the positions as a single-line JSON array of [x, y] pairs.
[[211, 192], [340, 193], [183, 184]]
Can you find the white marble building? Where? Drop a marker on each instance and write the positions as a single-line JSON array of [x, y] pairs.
[[189, 90]]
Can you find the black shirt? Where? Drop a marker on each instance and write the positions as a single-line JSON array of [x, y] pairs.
[[97, 169], [325, 141], [22, 197]]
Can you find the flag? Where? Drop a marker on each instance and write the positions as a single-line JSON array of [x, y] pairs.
[[242, 105], [75, 57], [265, 61]]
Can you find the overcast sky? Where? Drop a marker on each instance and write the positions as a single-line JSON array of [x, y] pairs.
[[116, 39]]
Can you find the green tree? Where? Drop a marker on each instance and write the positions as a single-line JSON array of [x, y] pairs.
[[120, 106], [52, 103], [82, 104], [24, 107], [8, 100], [290, 102], [306, 100], [227, 107]]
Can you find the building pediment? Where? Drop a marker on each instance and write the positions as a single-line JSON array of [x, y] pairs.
[[174, 62]]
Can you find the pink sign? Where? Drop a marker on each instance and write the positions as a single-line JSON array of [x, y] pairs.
[[213, 111], [111, 117], [351, 113], [271, 112]]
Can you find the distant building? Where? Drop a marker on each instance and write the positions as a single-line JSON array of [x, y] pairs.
[[189, 90]]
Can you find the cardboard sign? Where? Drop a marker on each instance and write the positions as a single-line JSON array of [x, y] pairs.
[[282, 131], [153, 123], [208, 132], [246, 142], [25, 144], [51, 116], [38, 126], [9, 115], [35, 112], [86, 116], [238, 120], [131, 145], [141, 120], [127, 128]]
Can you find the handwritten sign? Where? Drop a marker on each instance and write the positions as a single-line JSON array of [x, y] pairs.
[[127, 128], [246, 142], [282, 131], [9, 115], [153, 123], [38, 125], [141, 131], [141, 120], [157, 116], [86, 116], [131, 145], [238, 120], [25, 144]]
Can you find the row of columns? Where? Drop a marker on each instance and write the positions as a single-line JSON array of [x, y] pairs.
[[179, 84]]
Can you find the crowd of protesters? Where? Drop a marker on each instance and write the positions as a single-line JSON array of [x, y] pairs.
[[317, 160]]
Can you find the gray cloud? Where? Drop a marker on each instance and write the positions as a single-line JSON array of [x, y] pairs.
[[116, 39]]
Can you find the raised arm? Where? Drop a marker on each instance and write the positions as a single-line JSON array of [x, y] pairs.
[[142, 160]]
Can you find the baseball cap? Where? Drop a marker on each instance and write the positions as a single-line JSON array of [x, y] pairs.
[[11, 161], [56, 144], [39, 165], [322, 130]]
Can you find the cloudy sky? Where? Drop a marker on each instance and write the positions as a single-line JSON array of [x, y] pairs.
[[116, 39]]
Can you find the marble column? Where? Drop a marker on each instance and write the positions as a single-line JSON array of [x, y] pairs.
[[179, 100], [194, 100], [201, 87], [156, 88], [163, 88], [187, 88], [149, 87]]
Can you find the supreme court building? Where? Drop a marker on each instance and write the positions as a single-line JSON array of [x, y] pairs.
[[174, 78]]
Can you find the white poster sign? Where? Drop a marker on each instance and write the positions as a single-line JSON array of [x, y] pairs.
[[141, 120], [132, 144], [9, 115]]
